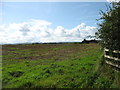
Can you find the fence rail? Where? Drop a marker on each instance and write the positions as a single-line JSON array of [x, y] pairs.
[[112, 58]]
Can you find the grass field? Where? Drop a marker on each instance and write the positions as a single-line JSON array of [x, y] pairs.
[[55, 66]]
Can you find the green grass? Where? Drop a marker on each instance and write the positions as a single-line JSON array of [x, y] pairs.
[[108, 77], [55, 66]]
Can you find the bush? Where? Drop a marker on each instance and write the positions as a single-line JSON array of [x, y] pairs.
[[109, 29]]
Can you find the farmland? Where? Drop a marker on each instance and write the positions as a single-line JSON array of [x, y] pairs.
[[55, 66]]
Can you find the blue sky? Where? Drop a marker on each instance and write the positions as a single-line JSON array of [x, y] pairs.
[[48, 21], [67, 14]]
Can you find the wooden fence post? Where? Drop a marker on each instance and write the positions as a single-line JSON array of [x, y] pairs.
[[112, 59]]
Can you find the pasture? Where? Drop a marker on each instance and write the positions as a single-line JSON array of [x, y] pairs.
[[55, 66]]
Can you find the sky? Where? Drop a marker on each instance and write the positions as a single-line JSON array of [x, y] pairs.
[[67, 14], [29, 22]]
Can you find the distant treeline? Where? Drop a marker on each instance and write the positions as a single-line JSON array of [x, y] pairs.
[[84, 41], [59, 43], [90, 41]]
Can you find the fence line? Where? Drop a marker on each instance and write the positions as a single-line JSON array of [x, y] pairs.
[[110, 57], [112, 64], [113, 60], [115, 51]]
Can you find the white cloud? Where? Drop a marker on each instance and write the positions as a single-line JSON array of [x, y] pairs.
[[40, 31], [113, 0]]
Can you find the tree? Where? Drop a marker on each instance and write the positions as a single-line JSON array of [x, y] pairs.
[[109, 28]]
